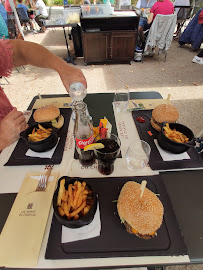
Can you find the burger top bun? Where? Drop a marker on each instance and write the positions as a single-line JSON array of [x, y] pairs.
[[165, 113], [145, 215], [46, 114]]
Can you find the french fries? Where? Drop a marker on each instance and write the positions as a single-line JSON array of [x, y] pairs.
[[39, 134], [61, 192], [175, 135], [74, 202]]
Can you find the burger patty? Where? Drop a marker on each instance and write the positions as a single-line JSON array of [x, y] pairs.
[[145, 236], [157, 123]]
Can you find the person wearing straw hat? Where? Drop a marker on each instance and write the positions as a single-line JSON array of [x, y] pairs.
[[15, 53]]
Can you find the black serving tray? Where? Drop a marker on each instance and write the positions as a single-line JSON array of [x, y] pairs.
[[114, 241], [156, 162], [18, 156]]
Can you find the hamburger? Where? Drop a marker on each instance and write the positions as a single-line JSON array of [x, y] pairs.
[[163, 113], [51, 114], [141, 216]]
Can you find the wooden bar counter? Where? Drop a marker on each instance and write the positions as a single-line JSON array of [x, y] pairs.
[[109, 39]]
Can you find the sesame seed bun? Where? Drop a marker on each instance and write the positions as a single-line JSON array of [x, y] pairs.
[[165, 113], [46, 114], [144, 215], [49, 113]]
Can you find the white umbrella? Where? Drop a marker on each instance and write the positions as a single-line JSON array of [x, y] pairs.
[[16, 17]]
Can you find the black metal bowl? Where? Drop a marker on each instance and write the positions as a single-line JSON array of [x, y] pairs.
[[43, 145], [83, 220], [175, 147]]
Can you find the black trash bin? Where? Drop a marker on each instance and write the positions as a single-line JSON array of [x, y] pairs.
[[77, 40]]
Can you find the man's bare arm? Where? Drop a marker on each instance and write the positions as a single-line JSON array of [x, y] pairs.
[[29, 53]]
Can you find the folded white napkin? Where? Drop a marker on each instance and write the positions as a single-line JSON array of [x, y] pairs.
[[89, 231], [167, 156], [47, 154]]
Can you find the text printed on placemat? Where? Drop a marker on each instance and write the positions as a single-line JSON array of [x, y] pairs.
[[69, 141], [122, 130]]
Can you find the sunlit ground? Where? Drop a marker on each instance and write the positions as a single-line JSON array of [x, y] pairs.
[[177, 76]]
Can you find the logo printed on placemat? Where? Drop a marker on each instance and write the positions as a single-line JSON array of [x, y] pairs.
[[30, 205], [28, 211]]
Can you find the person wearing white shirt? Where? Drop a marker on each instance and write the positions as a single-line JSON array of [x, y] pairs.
[[43, 14]]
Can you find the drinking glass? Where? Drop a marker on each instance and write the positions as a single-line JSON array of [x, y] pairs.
[[107, 155], [137, 155], [121, 100]]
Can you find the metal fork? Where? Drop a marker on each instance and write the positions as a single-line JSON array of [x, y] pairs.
[[43, 180]]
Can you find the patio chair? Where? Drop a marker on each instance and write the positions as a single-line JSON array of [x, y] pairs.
[[24, 19], [183, 15], [161, 34], [193, 33], [11, 25]]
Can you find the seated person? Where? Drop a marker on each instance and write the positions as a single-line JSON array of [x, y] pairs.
[[43, 15], [164, 7], [8, 7], [193, 33], [31, 5], [3, 29], [15, 53], [3, 12], [25, 8], [143, 25]]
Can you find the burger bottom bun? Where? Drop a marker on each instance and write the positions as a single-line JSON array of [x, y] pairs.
[[60, 122], [155, 126]]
